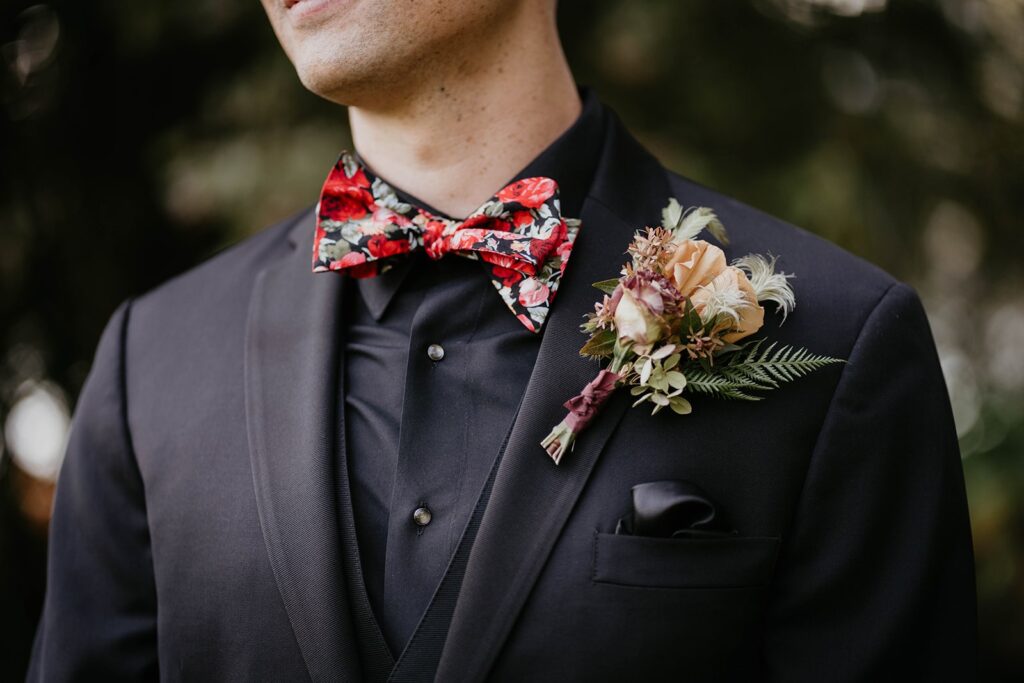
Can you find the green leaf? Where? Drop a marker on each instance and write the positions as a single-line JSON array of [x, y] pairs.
[[659, 381], [600, 345], [680, 405], [691, 319], [663, 351], [645, 371], [676, 379], [607, 286]]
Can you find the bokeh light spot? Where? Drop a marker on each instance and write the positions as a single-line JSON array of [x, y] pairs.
[[36, 429]]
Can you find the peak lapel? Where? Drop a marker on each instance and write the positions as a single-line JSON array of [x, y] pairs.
[[532, 497], [290, 398]]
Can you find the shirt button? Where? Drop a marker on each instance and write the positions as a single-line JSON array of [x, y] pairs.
[[435, 352], [422, 516]]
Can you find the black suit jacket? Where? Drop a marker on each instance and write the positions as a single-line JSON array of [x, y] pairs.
[[196, 528]]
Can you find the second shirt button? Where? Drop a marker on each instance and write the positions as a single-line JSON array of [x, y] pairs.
[[435, 352]]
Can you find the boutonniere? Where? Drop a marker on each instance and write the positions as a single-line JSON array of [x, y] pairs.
[[673, 323]]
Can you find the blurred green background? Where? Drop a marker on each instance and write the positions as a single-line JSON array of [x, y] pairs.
[[138, 138]]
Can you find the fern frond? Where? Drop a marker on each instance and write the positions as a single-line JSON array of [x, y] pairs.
[[775, 364], [719, 386], [753, 374], [754, 368]]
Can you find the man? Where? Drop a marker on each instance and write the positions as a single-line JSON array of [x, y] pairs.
[[276, 474]]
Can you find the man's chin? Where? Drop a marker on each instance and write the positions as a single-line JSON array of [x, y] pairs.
[[333, 82], [349, 80], [326, 87]]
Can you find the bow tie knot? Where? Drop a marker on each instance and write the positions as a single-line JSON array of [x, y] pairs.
[[520, 234]]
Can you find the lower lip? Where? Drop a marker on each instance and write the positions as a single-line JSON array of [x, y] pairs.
[[307, 8]]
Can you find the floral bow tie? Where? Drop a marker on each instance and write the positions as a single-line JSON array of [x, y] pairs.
[[519, 234]]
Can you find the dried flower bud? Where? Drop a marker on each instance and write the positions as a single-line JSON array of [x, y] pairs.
[[646, 302]]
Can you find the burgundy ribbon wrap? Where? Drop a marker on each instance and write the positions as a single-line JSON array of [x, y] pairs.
[[584, 406]]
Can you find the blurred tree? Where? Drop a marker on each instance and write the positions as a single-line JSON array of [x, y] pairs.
[[139, 138]]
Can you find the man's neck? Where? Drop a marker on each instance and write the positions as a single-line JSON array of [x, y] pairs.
[[464, 131]]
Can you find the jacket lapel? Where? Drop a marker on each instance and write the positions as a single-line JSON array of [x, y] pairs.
[[291, 409], [532, 497]]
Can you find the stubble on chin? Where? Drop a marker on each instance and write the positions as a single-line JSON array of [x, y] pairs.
[[374, 59], [354, 70]]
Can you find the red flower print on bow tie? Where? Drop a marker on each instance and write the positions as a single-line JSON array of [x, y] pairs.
[[519, 234], [530, 192], [380, 246], [347, 198]]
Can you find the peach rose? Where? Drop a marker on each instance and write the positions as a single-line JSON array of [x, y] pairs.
[[731, 284], [694, 264]]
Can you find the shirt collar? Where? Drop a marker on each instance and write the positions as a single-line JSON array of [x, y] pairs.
[[570, 160]]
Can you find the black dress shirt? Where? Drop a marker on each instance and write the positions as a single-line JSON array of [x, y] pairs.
[[431, 351]]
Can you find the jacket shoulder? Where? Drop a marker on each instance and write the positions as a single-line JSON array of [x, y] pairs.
[[836, 291], [820, 268], [227, 272], [754, 231]]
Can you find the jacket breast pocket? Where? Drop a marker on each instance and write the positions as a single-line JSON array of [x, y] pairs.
[[719, 562]]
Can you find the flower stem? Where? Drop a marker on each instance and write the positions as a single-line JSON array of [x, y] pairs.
[[582, 409], [559, 441]]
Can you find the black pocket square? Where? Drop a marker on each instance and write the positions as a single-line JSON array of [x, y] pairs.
[[673, 508]]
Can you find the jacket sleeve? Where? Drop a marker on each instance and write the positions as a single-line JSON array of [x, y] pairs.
[[876, 578], [99, 615]]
